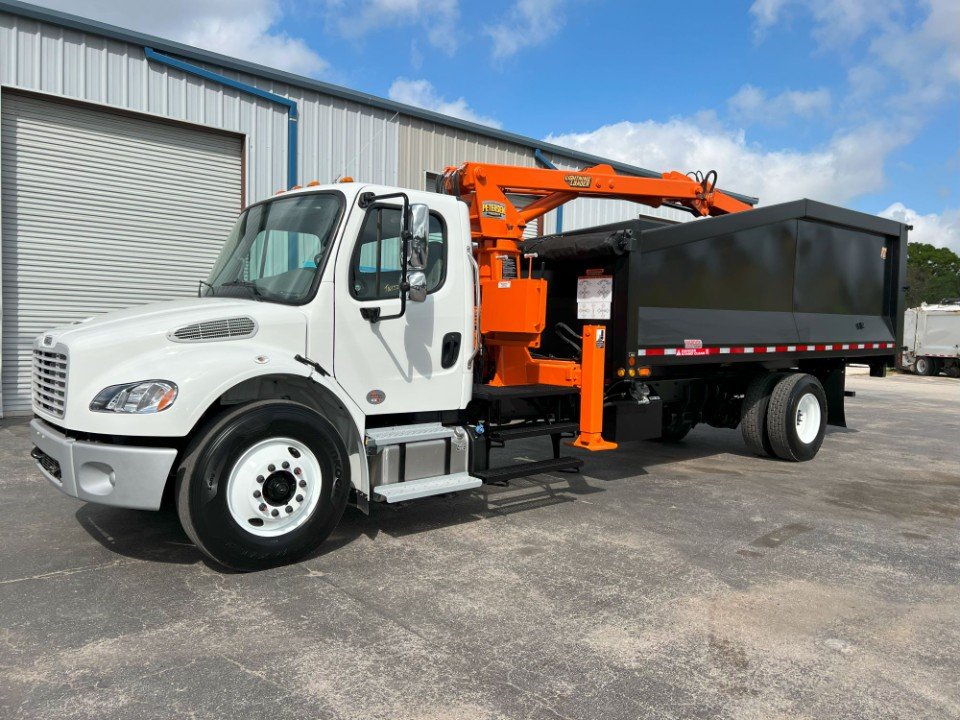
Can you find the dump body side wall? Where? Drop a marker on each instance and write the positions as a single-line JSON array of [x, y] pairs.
[[800, 280]]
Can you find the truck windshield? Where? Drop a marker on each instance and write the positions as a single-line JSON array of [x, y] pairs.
[[276, 249]]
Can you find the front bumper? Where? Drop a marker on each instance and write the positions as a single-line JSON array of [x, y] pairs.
[[120, 475]]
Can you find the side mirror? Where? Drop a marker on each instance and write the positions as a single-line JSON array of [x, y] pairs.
[[419, 230], [417, 283]]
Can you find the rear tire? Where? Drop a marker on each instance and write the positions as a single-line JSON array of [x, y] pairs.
[[952, 371], [249, 517], [924, 366], [753, 415], [797, 417]]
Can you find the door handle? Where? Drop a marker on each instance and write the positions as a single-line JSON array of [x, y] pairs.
[[449, 350]]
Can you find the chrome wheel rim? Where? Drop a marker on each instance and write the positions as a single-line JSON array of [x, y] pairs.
[[808, 418], [274, 487]]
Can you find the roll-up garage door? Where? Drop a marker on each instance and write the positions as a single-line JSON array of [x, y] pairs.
[[101, 211]]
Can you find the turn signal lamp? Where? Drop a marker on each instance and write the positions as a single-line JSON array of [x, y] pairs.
[[621, 372], [644, 372], [632, 372]]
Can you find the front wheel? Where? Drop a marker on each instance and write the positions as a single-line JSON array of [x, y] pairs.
[[924, 366], [797, 417], [263, 484]]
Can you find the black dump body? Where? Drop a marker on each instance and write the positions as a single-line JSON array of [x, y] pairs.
[[784, 283]]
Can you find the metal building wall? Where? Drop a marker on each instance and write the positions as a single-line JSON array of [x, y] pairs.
[[337, 137], [429, 147]]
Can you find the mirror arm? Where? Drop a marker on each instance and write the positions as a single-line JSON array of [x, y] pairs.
[[373, 314]]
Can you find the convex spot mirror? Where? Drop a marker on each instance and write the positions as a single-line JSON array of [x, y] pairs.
[[419, 230], [417, 283]]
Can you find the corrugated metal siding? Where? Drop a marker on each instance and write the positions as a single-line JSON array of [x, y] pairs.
[[337, 137], [101, 211], [428, 147]]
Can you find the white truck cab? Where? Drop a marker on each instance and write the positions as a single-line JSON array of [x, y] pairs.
[[253, 401]]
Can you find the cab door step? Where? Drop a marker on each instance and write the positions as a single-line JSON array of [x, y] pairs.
[[424, 487], [377, 438], [505, 433], [525, 469]]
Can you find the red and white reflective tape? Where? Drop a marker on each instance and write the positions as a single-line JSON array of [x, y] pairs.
[[762, 349]]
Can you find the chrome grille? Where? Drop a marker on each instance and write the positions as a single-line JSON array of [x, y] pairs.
[[239, 327], [50, 381]]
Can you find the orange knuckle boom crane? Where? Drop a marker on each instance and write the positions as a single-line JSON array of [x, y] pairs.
[[513, 305]]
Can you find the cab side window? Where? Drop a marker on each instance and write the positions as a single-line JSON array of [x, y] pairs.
[[375, 271]]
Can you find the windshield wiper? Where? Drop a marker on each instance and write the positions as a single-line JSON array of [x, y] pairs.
[[245, 284]]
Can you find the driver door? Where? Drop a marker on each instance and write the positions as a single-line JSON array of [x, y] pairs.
[[414, 363]]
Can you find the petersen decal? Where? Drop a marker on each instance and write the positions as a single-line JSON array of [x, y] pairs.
[[493, 209], [577, 181], [376, 397]]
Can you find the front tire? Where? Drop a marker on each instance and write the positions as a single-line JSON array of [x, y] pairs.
[[924, 366], [797, 417], [263, 484]]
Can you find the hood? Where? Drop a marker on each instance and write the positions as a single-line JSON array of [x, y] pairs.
[[162, 317], [143, 343]]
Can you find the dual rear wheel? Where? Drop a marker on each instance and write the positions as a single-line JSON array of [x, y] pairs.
[[784, 415]]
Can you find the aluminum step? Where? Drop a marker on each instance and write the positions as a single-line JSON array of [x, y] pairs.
[[505, 433], [424, 487], [399, 434], [526, 469]]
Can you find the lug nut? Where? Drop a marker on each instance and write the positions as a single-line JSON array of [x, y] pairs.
[[263, 506], [271, 468], [256, 493], [259, 478], [285, 465], [297, 471], [274, 512], [302, 483], [299, 498], [289, 509]]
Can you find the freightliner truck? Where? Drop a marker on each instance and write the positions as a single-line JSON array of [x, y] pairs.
[[357, 344]]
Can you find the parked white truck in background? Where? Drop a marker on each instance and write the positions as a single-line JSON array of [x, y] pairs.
[[931, 339]]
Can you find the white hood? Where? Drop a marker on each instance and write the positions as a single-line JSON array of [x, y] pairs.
[[138, 344]]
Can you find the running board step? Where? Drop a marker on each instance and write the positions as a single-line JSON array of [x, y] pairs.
[[424, 487], [505, 433], [525, 469], [377, 438]]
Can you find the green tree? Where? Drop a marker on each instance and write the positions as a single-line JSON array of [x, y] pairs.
[[932, 273]]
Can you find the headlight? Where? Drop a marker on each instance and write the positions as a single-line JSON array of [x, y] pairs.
[[149, 396]]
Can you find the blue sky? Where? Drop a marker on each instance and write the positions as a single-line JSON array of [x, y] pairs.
[[855, 102]]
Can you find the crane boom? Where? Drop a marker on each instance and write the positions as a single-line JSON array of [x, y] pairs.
[[512, 312]]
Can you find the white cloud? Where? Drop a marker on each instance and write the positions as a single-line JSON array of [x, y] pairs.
[[941, 230], [837, 22], [438, 18], [527, 23], [751, 104], [421, 93], [851, 164], [238, 28], [917, 63]]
